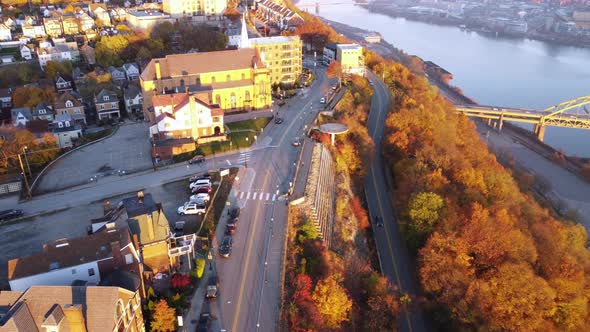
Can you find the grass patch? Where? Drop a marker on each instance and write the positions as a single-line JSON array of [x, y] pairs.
[[252, 124], [237, 141], [216, 208]]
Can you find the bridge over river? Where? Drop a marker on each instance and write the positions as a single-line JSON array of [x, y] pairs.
[[569, 114]]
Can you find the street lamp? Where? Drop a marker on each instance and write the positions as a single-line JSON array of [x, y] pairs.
[[27, 161]]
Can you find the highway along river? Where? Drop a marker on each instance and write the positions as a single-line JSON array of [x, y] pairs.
[[492, 71]]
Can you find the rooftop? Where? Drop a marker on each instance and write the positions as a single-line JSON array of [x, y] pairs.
[[146, 219], [273, 40]]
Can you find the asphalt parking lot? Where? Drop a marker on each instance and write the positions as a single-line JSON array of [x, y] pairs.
[[127, 150], [28, 236]]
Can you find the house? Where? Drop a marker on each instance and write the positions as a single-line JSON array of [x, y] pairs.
[[38, 128], [145, 19], [133, 99], [79, 77], [5, 32], [6, 97], [60, 52], [71, 308], [131, 71], [34, 30], [68, 103], [66, 130], [183, 115], [53, 26], [86, 22], [107, 105], [43, 111], [88, 54], [274, 14], [117, 74], [100, 12], [352, 60], [26, 52], [70, 25], [87, 259], [329, 53], [20, 116], [63, 83]]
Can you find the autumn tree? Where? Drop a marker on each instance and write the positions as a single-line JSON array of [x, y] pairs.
[[334, 70], [332, 302], [31, 96], [424, 213], [232, 13], [163, 318], [180, 281], [54, 68], [109, 50], [39, 152], [304, 313]]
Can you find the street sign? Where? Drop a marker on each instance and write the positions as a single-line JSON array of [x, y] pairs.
[[224, 172]]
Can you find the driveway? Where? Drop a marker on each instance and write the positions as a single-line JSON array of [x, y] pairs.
[[128, 149]]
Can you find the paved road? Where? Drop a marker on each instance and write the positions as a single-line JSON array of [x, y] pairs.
[[394, 257]]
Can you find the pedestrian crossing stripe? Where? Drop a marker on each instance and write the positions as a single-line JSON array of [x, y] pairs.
[[256, 196]]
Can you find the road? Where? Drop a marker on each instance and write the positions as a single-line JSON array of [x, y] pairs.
[[395, 259]]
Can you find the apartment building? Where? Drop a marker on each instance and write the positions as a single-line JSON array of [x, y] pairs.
[[282, 56], [180, 8]]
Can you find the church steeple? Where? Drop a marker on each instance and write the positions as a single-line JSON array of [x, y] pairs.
[[244, 41]]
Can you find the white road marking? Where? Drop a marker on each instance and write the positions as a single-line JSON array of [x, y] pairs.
[[274, 196], [254, 197], [267, 196], [248, 196], [261, 196], [228, 162], [241, 195]]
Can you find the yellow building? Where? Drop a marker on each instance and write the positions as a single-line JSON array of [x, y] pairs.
[[232, 79], [178, 8], [70, 24], [282, 56], [351, 59]]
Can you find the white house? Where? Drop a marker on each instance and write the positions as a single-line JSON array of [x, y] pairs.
[[65, 130], [26, 52], [5, 33], [133, 99], [60, 52], [131, 71], [33, 31], [20, 116]]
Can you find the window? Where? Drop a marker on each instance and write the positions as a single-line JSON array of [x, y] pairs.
[[77, 111], [102, 106], [69, 104], [114, 105], [73, 271], [129, 259], [106, 97], [228, 78], [181, 82], [212, 79], [91, 272], [67, 123], [243, 76], [60, 124]]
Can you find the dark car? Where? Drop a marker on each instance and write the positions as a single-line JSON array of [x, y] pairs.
[[10, 214], [197, 159], [234, 212], [204, 324], [212, 287], [179, 228], [278, 120], [196, 178], [225, 247], [202, 190], [378, 221]]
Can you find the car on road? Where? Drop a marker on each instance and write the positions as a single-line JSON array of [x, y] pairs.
[[10, 214], [179, 228], [296, 142], [322, 100], [212, 287], [371, 83], [192, 208], [198, 177], [278, 120], [201, 197], [231, 225], [225, 247], [204, 324], [200, 183], [201, 190], [234, 212], [379, 221], [335, 87], [197, 159]]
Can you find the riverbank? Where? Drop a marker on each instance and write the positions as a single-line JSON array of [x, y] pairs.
[[477, 26]]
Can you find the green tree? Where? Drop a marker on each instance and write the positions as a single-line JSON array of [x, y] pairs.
[[424, 211], [308, 231], [332, 302], [109, 50], [164, 318]]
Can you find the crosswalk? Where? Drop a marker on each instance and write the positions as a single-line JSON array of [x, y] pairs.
[[256, 196], [244, 157]]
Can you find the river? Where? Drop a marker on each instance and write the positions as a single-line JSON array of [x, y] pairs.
[[492, 71]]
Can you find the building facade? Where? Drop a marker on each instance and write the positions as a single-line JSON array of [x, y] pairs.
[[282, 56], [232, 79], [66, 131], [107, 105], [351, 59], [67, 103], [180, 8], [53, 27]]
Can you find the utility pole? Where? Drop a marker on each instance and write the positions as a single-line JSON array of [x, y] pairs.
[[20, 160], [27, 162]]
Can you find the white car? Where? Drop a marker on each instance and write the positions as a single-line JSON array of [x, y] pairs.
[[322, 100], [200, 183], [200, 197], [192, 208]]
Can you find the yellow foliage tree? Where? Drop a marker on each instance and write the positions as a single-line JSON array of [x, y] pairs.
[[332, 302]]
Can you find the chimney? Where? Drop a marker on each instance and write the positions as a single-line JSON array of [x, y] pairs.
[[150, 225], [158, 72], [140, 197], [75, 317]]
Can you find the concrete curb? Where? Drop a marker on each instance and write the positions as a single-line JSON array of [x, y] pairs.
[[116, 128]]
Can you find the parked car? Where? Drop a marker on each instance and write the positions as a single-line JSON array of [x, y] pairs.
[[212, 287], [201, 197], [199, 177], [278, 120], [296, 142], [378, 221], [179, 228], [225, 247], [10, 214], [200, 183], [230, 228], [202, 190], [197, 159], [192, 208], [322, 100], [204, 324], [233, 212], [335, 87]]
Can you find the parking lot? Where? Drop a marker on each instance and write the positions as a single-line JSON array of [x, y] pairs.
[[127, 150], [27, 237]]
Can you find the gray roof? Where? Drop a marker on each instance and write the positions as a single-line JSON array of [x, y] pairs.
[[100, 97], [43, 106], [127, 66], [131, 92], [26, 111]]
